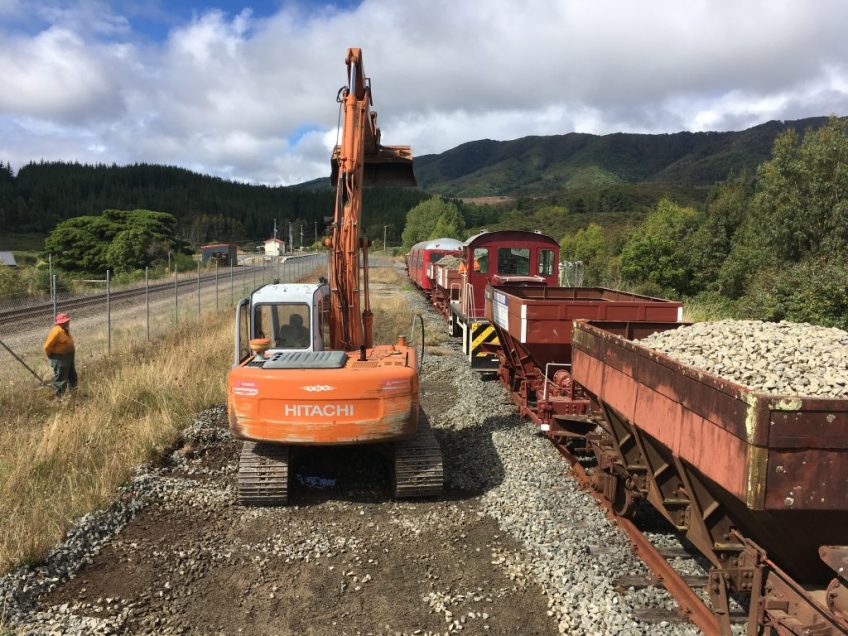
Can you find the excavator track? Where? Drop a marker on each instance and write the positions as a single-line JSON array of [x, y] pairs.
[[418, 464], [263, 475]]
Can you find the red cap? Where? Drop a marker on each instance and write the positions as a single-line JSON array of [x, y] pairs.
[[61, 319]]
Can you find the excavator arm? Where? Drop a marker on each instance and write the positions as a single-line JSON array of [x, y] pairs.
[[359, 161]]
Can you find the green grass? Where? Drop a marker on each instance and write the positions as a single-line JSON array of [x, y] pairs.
[[709, 306]]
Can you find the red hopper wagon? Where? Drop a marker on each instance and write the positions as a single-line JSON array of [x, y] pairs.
[[534, 327]]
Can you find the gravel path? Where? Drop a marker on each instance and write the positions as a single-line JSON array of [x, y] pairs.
[[513, 548]]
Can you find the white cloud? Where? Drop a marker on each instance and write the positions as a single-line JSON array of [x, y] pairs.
[[56, 76], [229, 94]]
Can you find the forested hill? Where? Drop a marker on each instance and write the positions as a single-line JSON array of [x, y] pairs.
[[539, 165], [207, 208], [610, 173]]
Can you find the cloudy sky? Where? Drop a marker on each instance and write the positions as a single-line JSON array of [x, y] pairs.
[[245, 89]]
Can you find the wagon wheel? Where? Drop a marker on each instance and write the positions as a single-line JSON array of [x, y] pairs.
[[625, 498]]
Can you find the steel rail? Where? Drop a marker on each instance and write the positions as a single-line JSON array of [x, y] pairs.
[[77, 302], [11, 315], [691, 605]]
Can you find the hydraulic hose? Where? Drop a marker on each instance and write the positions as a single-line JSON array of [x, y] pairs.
[[420, 319]]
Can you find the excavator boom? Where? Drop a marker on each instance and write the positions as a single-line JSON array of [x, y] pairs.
[[360, 160]]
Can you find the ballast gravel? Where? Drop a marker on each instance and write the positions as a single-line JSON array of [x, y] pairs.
[[530, 491], [783, 358]]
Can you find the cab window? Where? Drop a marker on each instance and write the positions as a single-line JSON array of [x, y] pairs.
[[514, 261], [546, 262], [287, 325], [480, 262]]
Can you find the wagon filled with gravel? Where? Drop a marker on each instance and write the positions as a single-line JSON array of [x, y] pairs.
[[737, 432]]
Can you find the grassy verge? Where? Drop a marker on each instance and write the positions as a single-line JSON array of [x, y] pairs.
[[61, 459], [393, 314]]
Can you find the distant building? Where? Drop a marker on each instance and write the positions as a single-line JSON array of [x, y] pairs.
[[274, 247], [224, 253], [7, 259]]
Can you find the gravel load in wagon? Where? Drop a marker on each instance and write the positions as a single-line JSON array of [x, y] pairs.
[[784, 358], [451, 262]]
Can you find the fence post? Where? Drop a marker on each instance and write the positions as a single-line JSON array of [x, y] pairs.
[[198, 289], [216, 285], [147, 301], [109, 312], [51, 282], [176, 297]]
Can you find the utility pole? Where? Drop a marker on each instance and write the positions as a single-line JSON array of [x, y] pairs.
[[384, 237], [316, 231], [291, 237], [301, 237]]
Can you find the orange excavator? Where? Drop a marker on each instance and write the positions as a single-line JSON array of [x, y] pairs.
[[306, 372]]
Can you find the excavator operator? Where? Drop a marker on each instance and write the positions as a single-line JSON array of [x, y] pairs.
[[294, 335]]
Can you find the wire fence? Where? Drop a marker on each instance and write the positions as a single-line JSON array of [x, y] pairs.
[[111, 319]]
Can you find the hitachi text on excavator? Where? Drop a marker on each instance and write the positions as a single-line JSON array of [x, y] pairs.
[[306, 371]]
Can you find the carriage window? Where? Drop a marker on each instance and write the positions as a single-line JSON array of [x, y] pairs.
[[546, 262], [285, 325], [514, 260], [435, 257], [481, 260]]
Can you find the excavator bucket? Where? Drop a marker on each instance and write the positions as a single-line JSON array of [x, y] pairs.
[[387, 167]]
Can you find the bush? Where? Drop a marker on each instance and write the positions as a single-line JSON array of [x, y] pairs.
[[814, 291], [42, 280], [11, 282]]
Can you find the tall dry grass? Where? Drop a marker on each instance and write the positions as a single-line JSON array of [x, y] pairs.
[[61, 459], [393, 312]]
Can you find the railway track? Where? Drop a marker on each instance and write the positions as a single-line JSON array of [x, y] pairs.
[[683, 588], [46, 309], [39, 310]]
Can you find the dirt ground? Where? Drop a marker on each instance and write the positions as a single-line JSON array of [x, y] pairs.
[[342, 558]]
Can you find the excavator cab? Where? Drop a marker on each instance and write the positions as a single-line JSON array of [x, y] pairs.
[[291, 317], [387, 167]]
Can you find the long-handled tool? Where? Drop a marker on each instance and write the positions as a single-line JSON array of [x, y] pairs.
[[25, 365]]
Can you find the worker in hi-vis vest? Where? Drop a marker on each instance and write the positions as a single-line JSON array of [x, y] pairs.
[[59, 348]]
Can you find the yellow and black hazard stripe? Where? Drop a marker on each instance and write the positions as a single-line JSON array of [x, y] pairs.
[[483, 341]]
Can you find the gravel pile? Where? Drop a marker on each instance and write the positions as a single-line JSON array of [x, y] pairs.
[[782, 358]]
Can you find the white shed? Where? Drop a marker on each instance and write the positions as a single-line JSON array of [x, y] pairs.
[[274, 247]]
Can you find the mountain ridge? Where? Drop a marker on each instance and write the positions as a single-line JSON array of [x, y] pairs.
[[535, 164]]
